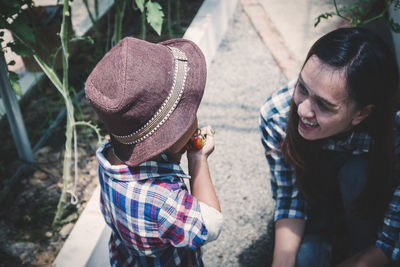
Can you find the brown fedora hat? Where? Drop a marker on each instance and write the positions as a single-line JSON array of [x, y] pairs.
[[147, 94]]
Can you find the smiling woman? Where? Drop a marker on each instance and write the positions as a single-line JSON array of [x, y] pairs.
[[332, 141], [322, 103]]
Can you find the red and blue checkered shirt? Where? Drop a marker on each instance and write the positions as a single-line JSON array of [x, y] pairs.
[[154, 219], [290, 202]]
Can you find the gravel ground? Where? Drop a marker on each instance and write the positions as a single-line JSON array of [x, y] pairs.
[[240, 78]]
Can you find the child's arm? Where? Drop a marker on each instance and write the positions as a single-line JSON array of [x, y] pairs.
[[201, 184]]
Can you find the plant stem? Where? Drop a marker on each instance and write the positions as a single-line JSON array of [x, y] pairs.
[[178, 12], [92, 19], [338, 12], [143, 25], [119, 16], [108, 38], [95, 129], [70, 117], [96, 9], [62, 88], [169, 18], [380, 15]]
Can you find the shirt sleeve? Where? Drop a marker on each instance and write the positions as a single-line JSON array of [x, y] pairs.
[[389, 236], [213, 221], [180, 221], [289, 201]]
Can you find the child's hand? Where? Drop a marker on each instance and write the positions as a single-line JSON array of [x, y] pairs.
[[201, 143], [201, 184]]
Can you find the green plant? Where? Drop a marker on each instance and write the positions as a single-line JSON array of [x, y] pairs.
[[93, 19], [152, 13], [24, 36], [10, 9], [24, 44], [363, 11], [174, 25]]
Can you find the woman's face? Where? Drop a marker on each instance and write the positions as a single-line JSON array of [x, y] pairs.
[[323, 105]]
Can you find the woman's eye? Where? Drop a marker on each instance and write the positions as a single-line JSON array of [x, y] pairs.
[[301, 89], [322, 106]]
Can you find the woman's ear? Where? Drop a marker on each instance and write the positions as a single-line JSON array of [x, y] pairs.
[[362, 114]]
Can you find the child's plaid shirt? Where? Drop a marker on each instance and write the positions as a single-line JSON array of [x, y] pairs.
[[154, 220], [289, 201]]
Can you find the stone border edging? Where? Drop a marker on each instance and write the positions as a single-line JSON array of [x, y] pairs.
[[288, 63], [87, 244], [209, 25]]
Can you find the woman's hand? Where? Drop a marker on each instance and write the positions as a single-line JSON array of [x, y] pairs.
[[370, 257]]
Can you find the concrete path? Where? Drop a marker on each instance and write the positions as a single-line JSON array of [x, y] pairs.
[[287, 28], [294, 20], [241, 76]]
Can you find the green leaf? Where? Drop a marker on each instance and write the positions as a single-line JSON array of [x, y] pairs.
[[154, 16], [51, 74], [22, 29], [140, 5], [350, 7], [10, 8], [13, 78], [20, 49], [3, 24], [1, 33], [16, 87]]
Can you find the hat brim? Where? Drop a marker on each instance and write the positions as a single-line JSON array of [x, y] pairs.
[[181, 118]]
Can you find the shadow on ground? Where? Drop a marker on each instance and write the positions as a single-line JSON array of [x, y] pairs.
[[260, 252]]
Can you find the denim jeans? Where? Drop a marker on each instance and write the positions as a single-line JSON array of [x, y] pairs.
[[316, 248]]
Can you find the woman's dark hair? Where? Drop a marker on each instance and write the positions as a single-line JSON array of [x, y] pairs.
[[372, 79]]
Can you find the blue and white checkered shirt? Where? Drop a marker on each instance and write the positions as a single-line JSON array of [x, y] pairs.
[[154, 219], [290, 202]]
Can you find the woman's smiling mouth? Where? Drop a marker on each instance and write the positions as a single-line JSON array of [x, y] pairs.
[[308, 123]]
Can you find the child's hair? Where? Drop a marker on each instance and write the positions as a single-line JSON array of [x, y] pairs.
[[147, 95], [371, 79]]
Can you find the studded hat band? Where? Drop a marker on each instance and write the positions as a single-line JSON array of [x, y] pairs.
[[167, 107]]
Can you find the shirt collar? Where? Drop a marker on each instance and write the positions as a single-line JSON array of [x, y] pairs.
[[359, 142], [356, 143], [158, 168]]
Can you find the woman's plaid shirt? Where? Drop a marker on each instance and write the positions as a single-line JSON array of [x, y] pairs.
[[154, 220], [289, 201]]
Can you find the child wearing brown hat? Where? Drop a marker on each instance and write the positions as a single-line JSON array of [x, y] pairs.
[[147, 96]]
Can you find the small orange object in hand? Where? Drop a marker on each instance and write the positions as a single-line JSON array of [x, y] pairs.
[[197, 140]]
